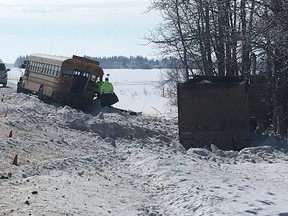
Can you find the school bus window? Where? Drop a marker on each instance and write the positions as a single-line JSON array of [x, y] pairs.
[[53, 70], [49, 69], [44, 69], [66, 71], [57, 69], [93, 78], [34, 66], [39, 67]]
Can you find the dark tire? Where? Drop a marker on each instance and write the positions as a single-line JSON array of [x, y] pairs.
[[19, 88], [4, 84], [40, 93]]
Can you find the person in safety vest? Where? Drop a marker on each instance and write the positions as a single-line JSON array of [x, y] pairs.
[[106, 87], [108, 97]]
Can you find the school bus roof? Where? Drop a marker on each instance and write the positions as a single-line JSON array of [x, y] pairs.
[[52, 59], [59, 59]]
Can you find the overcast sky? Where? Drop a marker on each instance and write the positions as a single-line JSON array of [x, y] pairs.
[[82, 27]]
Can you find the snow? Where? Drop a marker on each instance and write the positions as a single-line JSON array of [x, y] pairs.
[[112, 163], [138, 90]]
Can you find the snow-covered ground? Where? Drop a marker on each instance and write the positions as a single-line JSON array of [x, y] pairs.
[[74, 163]]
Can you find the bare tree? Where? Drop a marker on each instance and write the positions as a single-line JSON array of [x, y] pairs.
[[215, 35]]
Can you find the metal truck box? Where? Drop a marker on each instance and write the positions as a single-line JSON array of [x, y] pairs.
[[214, 110]]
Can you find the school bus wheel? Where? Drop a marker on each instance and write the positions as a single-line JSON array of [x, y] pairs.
[[40, 93]]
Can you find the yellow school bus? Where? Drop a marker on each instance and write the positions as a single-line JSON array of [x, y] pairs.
[[67, 80]]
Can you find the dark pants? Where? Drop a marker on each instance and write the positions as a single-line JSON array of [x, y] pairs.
[[108, 99]]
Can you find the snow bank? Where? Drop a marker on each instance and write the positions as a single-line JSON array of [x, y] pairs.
[[112, 163]]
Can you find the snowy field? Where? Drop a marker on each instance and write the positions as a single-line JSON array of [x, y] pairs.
[[138, 90], [73, 163]]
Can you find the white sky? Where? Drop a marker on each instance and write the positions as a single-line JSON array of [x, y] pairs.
[[81, 27]]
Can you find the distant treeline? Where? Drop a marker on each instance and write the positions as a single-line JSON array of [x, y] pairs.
[[138, 62], [120, 62]]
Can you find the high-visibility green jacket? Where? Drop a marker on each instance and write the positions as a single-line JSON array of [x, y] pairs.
[[106, 88]]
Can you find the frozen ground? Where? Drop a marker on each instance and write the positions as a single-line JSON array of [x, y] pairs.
[[72, 163]]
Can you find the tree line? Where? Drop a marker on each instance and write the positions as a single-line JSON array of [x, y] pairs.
[[229, 38], [121, 62], [132, 62]]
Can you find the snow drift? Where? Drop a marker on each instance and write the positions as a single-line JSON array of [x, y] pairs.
[[112, 163]]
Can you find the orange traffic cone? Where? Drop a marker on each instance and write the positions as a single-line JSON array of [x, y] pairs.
[[10, 134], [15, 160]]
